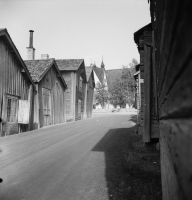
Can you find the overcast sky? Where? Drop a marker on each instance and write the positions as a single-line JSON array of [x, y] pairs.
[[72, 29]]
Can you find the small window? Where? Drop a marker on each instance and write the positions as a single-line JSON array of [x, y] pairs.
[[12, 104], [77, 82], [80, 84]]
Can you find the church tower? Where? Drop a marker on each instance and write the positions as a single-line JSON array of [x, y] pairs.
[[102, 64]]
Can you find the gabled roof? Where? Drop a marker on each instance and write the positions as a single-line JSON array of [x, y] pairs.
[[88, 72], [112, 75], [99, 72], [4, 33], [69, 64], [140, 32], [38, 68]]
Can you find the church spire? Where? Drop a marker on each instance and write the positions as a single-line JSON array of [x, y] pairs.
[[102, 64]]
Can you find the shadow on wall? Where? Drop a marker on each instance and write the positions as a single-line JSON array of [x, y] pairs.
[[132, 171]]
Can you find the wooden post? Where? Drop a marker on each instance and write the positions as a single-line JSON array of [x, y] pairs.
[[73, 87], [30, 95], [85, 102], [4, 112], [36, 108], [91, 102], [147, 90], [64, 99], [154, 75]]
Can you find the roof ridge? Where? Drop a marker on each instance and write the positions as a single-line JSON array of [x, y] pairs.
[[70, 59], [41, 59], [112, 69]]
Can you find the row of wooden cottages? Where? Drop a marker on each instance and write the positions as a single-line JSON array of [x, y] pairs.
[[165, 92], [37, 93], [145, 76]]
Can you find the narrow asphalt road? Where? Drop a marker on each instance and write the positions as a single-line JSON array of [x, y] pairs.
[[64, 162]]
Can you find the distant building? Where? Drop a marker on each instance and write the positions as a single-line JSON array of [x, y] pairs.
[[100, 77], [49, 98], [108, 78], [73, 71], [90, 91]]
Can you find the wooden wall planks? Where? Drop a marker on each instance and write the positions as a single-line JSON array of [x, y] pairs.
[[52, 82], [12, 80], [176, 153], [173, 30]]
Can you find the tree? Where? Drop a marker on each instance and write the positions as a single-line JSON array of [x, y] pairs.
[[122, 91], [101, 94], [129, 82], [117, 96]]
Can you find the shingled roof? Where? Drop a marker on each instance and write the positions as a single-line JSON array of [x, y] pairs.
[[88, 72], [99, 72], [69, 64], [112, 75], [38, 68], [140, 32]]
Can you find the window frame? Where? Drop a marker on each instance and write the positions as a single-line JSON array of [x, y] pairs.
[[80, 84]]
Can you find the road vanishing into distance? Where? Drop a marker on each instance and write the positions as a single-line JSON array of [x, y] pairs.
[[65, 161]]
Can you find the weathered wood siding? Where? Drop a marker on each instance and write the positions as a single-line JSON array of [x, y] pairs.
[[90, 92], [79, 106], [173, 42], [57, 98], [148, 120], [69, 79], [141, 84], [12, 80]]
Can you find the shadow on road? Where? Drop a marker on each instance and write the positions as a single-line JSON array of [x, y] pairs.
[[132, 171]]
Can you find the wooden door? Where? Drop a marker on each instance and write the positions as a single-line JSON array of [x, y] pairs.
[[46, 106], [10, 114]]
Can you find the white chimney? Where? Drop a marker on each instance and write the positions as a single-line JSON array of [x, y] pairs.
[[30, 49], [44, 56]]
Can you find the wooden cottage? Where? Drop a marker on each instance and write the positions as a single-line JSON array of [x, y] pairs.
[[148, 124], [171, 33], [73, 71], [16, 89], [49, 100], [90, 91]]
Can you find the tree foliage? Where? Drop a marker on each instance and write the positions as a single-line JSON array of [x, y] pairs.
[[122, 91], [117, 96], [101, 95]]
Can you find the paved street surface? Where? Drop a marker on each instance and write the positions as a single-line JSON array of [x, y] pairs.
[[66, 162]]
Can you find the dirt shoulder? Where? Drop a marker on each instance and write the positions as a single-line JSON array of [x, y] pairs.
[[132, 170]]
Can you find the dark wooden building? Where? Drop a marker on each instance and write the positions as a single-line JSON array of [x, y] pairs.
[[148, 124], [138, 82], [49, 100], [16, 89], [169, 42], [73, 71], [172, 30], [90, 91]]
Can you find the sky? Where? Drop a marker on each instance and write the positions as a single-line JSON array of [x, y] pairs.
[[77, 29]]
